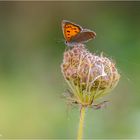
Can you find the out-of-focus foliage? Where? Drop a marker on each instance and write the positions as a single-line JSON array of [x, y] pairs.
[[31, 83]]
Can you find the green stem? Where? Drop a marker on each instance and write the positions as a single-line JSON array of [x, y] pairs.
[[81, 123]]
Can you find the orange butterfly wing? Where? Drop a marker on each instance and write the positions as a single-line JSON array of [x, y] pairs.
[[70, 30]]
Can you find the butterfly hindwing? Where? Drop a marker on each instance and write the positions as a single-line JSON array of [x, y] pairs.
[[84, 36]]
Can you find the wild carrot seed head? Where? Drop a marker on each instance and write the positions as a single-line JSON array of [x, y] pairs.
[[88, 75]]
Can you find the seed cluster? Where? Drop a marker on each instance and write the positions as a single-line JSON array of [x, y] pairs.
[[88, 75]]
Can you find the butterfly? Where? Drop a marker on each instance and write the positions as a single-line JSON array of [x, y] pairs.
[[74, 34]]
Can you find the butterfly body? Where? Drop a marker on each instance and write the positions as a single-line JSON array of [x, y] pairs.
[[74, 34]]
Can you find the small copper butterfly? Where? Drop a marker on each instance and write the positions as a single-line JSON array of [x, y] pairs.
[[74, 34]]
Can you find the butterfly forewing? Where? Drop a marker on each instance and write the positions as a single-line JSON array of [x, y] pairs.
[[70, 30]]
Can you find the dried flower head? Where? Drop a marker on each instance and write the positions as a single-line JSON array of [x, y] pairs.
[[89, 76]]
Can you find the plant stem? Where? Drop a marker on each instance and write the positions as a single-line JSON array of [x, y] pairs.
[[81, 123]]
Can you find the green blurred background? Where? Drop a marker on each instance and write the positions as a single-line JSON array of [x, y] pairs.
[[31, 82]]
